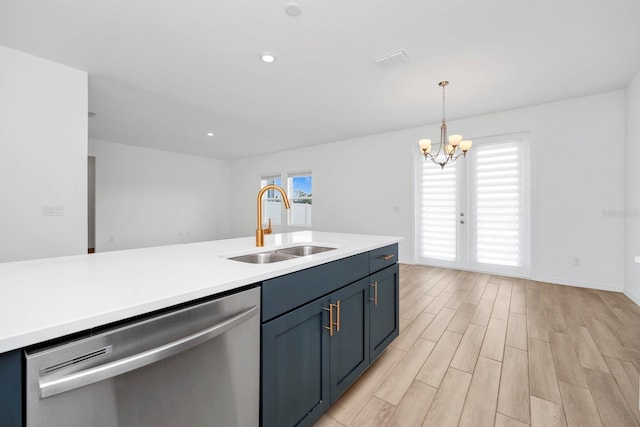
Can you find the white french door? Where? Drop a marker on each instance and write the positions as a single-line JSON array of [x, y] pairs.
[[474, 213]]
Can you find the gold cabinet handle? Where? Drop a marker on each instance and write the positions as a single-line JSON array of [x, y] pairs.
[[386, 257], [331, 322], [330, 327], [375, 293]]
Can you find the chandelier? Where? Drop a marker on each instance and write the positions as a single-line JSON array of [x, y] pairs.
[[455, 147]]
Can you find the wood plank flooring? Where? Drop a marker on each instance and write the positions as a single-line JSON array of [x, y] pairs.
[[483, 350]]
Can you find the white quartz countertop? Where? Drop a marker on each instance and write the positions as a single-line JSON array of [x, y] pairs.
[[49, 298]]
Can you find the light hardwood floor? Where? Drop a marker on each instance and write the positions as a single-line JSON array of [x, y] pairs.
[[482, 350]]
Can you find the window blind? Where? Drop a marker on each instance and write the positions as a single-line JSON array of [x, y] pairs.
[[437, 212], [498, 207]]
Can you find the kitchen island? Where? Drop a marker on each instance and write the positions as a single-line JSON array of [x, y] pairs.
[[51, 298]]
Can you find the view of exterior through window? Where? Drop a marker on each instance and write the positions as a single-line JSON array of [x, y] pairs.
[[271, 202], [300, 193]]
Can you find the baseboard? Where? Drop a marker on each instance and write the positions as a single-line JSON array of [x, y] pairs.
[[633, 297], [579, 283]]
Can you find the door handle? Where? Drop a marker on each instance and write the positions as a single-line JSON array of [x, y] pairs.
[[118, 367], [375, 293], [331, 322]]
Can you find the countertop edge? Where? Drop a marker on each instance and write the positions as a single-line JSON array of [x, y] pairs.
[[27, 338]]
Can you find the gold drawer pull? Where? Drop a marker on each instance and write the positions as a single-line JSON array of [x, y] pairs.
[[386, 257]]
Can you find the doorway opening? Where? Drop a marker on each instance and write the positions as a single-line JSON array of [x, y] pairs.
[[474, 214], [91, 200]]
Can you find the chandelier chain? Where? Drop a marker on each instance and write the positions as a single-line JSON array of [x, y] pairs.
[[443, 109]]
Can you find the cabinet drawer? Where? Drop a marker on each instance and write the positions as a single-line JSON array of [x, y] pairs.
[[284, 293], [383, 257]]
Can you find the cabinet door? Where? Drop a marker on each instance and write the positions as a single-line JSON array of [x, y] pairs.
[[295, 366], [383, 301], [350, 340], [11, 389]]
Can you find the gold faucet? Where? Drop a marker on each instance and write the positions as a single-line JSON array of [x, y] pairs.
[[260, 232]]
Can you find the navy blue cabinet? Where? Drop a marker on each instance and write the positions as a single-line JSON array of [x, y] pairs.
[[295, 366], [350, 342], [384, 315], [313, 353], [11, 389]]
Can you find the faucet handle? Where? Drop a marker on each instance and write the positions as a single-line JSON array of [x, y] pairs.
[[268, 230]]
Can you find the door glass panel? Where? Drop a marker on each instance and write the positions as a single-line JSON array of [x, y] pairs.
[[498, 204], [437, 212]]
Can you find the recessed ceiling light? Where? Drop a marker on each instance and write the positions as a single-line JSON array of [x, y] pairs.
[[210, 133], [268, 57]]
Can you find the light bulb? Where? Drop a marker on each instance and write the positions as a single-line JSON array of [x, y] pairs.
[[424, 144], [455, 139]]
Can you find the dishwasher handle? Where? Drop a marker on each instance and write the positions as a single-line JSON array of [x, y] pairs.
[[118, 367]]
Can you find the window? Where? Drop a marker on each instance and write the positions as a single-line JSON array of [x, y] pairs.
[[299, 190], [272, 201], [300, 195]]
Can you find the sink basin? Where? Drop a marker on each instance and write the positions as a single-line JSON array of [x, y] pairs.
[[283, 254], [263, 258], [303, 250]]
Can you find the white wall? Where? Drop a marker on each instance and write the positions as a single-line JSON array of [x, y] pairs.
[[365, 185], [632, 211], [147, 197], [43, 157], [359, 186]]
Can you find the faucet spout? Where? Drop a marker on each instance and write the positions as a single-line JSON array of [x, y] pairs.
[[260, 231]]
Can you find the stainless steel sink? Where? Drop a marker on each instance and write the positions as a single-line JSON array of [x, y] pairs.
[[283, 254], [263, 258], [303, 250]]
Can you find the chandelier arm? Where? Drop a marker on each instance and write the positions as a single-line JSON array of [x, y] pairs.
[[462, 153], [443, 132], [433, 159]]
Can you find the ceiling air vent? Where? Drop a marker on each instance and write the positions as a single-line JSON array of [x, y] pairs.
[[393, 58]]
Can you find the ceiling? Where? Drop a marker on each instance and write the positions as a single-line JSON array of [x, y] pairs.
[[164, 73]]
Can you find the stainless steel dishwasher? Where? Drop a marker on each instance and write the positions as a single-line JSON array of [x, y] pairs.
[[195, 366]]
